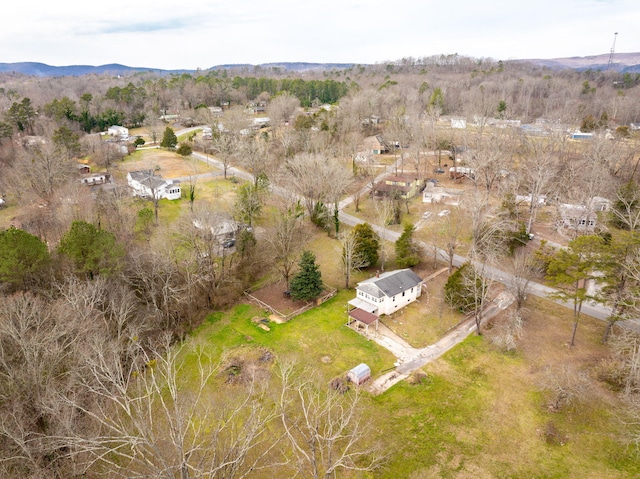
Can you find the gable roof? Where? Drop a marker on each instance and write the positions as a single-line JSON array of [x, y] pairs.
[[148, 179], [390, 283]]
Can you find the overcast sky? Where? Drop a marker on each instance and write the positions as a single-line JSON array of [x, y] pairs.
[[203, 33]]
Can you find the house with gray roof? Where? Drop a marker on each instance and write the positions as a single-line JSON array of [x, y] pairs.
[[388, 292], [147, 185]]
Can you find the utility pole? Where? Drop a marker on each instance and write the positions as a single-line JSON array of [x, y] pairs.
[[613, 49]]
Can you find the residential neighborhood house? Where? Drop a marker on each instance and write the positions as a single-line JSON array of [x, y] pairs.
[[583, 218], [439, 194], [118, 131], [147, 185], [458, 172], [92, 179], [406, 186], [376, 145], [388, 292]]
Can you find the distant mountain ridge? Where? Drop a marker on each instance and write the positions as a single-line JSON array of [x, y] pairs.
[[44, 70], [622, 62]]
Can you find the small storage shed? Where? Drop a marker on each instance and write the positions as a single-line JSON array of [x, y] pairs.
[[359, 374]]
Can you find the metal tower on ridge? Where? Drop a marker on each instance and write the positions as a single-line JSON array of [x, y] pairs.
[[613, 49]]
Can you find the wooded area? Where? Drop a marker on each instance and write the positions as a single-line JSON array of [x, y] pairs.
[[101, 290]]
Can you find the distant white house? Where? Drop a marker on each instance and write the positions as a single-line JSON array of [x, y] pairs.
[[457, 172], [145, 184], [577, 217], [207, 133], [438, 194], [221, 228], [92, 179], [387, 292], [119, 131], [578, 135], [260, 122]]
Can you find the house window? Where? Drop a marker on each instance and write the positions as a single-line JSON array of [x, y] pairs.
[[403, 293], [394, 298]]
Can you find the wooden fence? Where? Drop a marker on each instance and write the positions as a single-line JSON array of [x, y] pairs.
[[286, 317]]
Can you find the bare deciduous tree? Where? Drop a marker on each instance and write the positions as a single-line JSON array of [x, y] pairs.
[[39, 169], [326, 430], [286, 239], [523, 269], [156, 419], [566, 385], [281, 110], [537, 172], [352, 260], [316, 178], [448, 236]]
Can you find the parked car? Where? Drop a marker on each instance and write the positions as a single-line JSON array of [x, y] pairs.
[[229, 243], [438, 171], [426, 215], [444, 213]]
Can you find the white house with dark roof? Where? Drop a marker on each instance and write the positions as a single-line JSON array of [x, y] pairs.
[[388, 292], [118, 131], [144, 183]]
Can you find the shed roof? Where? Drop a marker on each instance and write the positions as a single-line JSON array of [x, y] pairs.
[[361, 370], [363, 316]]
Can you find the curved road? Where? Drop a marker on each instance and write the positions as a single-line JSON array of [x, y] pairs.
[[592, 309]]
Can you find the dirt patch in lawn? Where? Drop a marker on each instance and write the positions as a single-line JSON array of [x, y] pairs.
[[275, 295]]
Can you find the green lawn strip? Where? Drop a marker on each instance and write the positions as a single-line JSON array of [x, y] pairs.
[[185, 137]]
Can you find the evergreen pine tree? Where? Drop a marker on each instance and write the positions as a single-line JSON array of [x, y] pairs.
[[169, 139], [406, 249], [307, 284], [367, 243]]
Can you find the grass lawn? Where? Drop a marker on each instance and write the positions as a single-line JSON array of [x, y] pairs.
[[318, 338], [478, 413]]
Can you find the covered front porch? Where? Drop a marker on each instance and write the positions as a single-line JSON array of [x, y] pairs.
[[361, 320]]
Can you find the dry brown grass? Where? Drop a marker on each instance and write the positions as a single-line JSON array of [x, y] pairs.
[[166, 163], [428, 319]]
